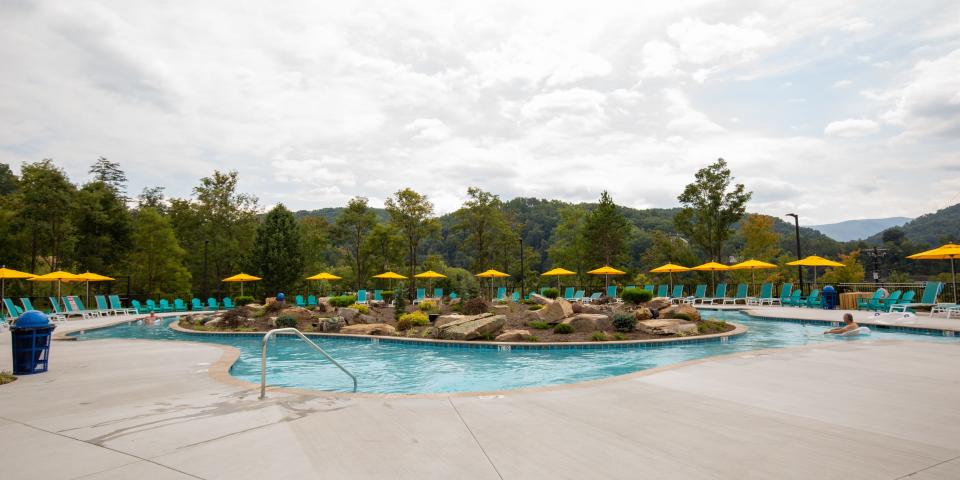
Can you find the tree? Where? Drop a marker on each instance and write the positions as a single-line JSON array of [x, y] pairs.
[[157, 256], [315, 244], [606, 231], [276, 254], [412, 214], [109, 173], [351, 230], [46, 200], [8, 181], [385, 246], [570, 248], [104, 229], [152, 197], [851, 272], [710, 207], [481, 219], [760, 240]]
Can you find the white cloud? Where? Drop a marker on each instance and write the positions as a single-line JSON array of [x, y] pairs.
[[851, 127], [682, 115], [858, 25], [430, 129], [659, 59], [700, 42], [928, 104], [842, 83]]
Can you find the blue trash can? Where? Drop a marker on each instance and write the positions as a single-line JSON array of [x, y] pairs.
[[30, 339], [830, 298]]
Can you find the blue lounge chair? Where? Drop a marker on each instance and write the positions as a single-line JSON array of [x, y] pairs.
[[152, 305], [813, 300], [312, 299], [907, 297], [929, 299], [228, 303], [438, 293], [612, 291], [300, 301], [361, 296], [165, 305], [890, 301], [593, 297], [421, 295], [116, 305], [140, 308], [649, 288], [212, 304], [719, 292], [699, 294], [196, 305], [501, 294], [871, 303], [793, 300], [568, 294], [785, 291], [663, 290], [515, 297], [741, 294], [179, 305], [578, 296], [766, 294], [677, 296]]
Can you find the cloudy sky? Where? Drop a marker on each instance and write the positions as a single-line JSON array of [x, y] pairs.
[[836, 110]]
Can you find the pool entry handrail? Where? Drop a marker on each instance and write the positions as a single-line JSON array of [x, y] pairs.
[[263, 357]]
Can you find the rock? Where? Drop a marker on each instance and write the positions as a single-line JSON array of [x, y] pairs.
[[643, 313], [348, 314], [589, 322], [298, 313], [365, 318], [500, 309], [455, 317], [683, 312], [586, 308], [471, 328], [369, 329], [331, 324], [536, 297], [666, 327], [555, 311], [513, 336], [658, 303], [213, 322]]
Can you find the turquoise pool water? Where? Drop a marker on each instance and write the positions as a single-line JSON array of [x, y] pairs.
[[403, 368]]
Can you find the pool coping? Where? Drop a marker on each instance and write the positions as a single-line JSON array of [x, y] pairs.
[[945, 332]]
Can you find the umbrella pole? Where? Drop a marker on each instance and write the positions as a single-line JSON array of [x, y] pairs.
[[753, 280], [953, 271], [88, 292], [3, 294]]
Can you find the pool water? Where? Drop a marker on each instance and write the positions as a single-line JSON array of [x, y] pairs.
[[387, 367]]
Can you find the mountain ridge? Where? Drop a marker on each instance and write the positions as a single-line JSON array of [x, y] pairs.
[[859, 229]]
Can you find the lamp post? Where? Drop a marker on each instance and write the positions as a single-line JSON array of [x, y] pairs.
[[206, 291], [522, 272], [796, 225]]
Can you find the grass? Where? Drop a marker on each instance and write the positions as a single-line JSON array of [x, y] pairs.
[[6, 377], [563, 328], [598, 337], [711, 326], [539, 325]]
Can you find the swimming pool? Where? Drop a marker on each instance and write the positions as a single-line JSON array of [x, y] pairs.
[[388, 367]]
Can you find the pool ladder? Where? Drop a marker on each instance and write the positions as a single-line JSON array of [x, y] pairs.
[[263, 357]]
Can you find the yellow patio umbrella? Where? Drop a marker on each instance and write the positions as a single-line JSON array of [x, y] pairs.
[[815, 261], [558, 272], [752, 265], [950, 251], [670, 268], [325, 277], [491, 274], [606, 271], [58, 276], [713, 268], [241, 278], [6, 273], [429, 275], [92, 277], [390, 276]]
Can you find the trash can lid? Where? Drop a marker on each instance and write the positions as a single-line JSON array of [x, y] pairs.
[[828, 288], [32, 318]]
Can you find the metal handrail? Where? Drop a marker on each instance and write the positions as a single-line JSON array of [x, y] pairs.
[[263, 358]]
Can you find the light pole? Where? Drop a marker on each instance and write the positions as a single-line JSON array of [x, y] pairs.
[[522, 272], [206, 292], [796, 225]]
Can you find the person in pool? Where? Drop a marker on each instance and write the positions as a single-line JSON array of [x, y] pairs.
[[849, 325]]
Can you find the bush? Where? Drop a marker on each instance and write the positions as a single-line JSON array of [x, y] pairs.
[[286, 321], [563, 328], [598, 337], [529, 301], [539, 325], [343, 301], [711, 326], [618, 336], [399, 302], [534, 308], [551, 293], [242, 300], [361, 308], [6, 377], [403, 324], [274, 307], [475, 306], [416, 319], [682, 316], [624, 321], [636, 296], [231, 318], [427, 306]]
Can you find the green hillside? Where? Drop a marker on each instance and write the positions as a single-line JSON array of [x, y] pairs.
[[932, 229]]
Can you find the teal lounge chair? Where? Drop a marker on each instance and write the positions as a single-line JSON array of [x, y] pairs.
[[421, 295], [677, 296], [766, 294], [741, 294], [179, 305], [152, 305], [300, 301], [438, 293], [90, 311], [140, 308], [592, 298], [212, 304], [907, 297], [28, 305], [118, 306], [890, 301], [103, 306], [649, 288], [516, 297], [568, 294], [165, 305], [663, 290], [719, 292], [793, 300], [196, 305], [228, 303], [698, 295], [785, 291], [13, 311], [312, 299], [73, 308], [870, 303], [813, 300], [453, 296], [929, 299], [361, 296], [501, 294], [612, 291], [578, 296]]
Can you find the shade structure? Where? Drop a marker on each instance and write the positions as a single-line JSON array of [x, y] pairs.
[[324, 276], [241, 278], [713, 268], [950, 251], [752, 265], [815, 261], [491, 274], [58, 276], [92, 277], [557, 272], [669, 269], [606, 271], [390, 276], [6, 273], [430, 274]]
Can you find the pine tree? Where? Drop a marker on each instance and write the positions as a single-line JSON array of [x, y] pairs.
[[276, 254], [157, 257]]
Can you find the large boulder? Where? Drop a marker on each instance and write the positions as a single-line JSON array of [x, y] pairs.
[[500, 309], [473, 327], [589, 322], [513, 336], [667, 327], [553, 312], [683, 312], [298, 313], [364, 318], [587, 308], [658, 303], [369, 329], [331, 324], [536, 297], [456, 317], [349, 314], [643, 313]]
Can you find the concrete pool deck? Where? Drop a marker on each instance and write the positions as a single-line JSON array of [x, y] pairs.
[[126, 408]]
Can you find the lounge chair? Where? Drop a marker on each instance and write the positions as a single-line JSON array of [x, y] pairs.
[[741, 294], [438, 293], [813, 300], [212, 304], [152, 305], [72, 306], [766, 294], [140, 308], [677, 296], [793, 300], [103, 306], [13, 311], [453, 296], [196, 305], [907, 297], [179, 305], [300, 301], [501, 294], [91, 311], [116, 305], [516, 297], [421, 295], [593, 297], [890, 301], [929, 299], [663, 290], [785, 291], [719, 292], [698, 295], [578, 297], [612, 291], [870, 303], [948, 308], [312, 299], [568, 294], [649, 288], [228, 303], [28, 305], [165, 305]]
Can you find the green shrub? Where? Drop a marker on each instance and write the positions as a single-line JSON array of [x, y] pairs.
[[563, 328], [532, 338], [416, 319], [636, 296], [6, 377], [598, 337], [242, 300], [530, 302], [618, 336], [403, 324], [682, 316], [427, 306], [286, 321], [539, 325], [535, 307], [361, 308], [342, 301], [551, 293], [624, 321], [711, 326], [475, 306], [399, 302]]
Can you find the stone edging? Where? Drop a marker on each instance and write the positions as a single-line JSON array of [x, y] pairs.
[[758, 315]]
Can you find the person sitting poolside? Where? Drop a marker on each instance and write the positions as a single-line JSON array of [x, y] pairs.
[[850, 325]]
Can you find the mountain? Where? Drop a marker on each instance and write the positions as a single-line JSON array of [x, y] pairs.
[[859, 229], [931, 229]]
